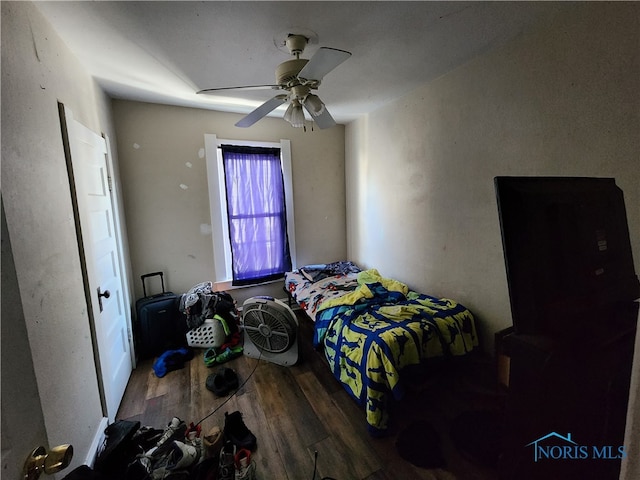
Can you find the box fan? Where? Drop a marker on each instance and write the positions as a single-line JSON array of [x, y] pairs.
[[270, 330]]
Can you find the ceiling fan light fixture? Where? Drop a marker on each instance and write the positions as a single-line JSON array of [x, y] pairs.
[[298, 77], [295, 115], [288, 112], [314, 105]]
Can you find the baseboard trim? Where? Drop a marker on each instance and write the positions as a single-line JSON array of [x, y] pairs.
[[98, 441]]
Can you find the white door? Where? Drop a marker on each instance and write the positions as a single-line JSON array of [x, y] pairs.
[[102, 261]]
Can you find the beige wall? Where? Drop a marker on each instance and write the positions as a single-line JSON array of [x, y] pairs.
[[163, 170], [562, 100], [45, 298], [419, 192]]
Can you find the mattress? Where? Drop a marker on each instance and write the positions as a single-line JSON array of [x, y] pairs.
[[371, 327]]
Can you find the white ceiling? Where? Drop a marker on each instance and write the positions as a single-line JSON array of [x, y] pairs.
[[163, 52]]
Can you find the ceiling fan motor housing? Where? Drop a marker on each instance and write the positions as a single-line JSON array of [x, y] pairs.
[[287, 72], [296, 43]]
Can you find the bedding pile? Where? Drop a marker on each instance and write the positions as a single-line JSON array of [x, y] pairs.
[[371, 327], [312, 285]]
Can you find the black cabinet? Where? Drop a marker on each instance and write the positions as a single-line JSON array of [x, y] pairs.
[[566, 409]]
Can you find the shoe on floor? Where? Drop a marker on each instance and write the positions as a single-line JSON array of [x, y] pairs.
[[171, 475], [226, 469], [237, 432], [192, 432], [210, 356], [229, 354], [176, 462], [242, 458], [139, 469], [223, 382], [245, 468], [230, 378], [217, 385], [175, 431], [247, 473], [205, 470], [182, 456], [147, 437], [212, 442], [198, 444]]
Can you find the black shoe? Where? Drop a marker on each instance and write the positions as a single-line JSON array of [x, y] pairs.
[[226, 467], [230, 378], [237, 432], [217, 385], [222, 382]]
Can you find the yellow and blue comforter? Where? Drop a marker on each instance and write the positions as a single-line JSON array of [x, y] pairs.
[[372, 332]]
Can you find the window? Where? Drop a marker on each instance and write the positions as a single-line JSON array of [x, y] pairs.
[[251, 221], [256, 213]]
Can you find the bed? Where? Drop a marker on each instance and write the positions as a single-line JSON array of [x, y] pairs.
[[371, 328]]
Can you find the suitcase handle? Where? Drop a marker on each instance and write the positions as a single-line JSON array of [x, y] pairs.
[[147, 275]]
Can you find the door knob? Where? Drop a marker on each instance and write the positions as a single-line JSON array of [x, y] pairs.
[[40, 461], [105, 294]]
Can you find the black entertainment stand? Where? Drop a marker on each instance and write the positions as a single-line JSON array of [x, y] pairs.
[[560, 390], [573, 291]]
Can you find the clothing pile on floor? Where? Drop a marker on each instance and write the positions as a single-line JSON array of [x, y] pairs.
[[199, 305], [178, 452], [200, 302], [172, 360]]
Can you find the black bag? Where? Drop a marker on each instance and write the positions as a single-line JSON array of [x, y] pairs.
[[160, 326], [119, 449], [84, 472]]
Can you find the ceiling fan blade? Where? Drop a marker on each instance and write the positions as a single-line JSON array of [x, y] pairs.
[[261, 111], [324, 120], [245, 87], [322, 62]]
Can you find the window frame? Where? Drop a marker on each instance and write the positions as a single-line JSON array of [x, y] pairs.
[[218, 203]]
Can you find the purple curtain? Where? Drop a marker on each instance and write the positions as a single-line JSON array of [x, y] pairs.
[[257, 214]]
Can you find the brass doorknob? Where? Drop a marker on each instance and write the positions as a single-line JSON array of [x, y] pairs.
[[40, 461]]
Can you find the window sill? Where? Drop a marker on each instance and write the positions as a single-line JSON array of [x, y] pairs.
[[226, 285]]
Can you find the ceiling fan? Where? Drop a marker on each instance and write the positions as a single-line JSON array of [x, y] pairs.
[[297, 77]]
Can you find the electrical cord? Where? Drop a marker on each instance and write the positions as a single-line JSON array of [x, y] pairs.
[[315, 468], [315, 461], [235, 392]]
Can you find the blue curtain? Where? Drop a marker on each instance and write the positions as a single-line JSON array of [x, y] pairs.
[[257, 214]]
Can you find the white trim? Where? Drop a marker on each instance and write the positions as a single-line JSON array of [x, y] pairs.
[[218, 205], [248, 143], [124, 272], [218, 226], [226, 285], [96, 444], [287, 173]]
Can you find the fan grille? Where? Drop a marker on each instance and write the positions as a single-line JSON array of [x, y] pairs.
[[270, 332]]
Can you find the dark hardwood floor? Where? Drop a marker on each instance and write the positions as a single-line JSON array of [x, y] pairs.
[[297, 411]]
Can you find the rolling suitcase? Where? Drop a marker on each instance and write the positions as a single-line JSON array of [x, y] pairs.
[[158, 321]]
